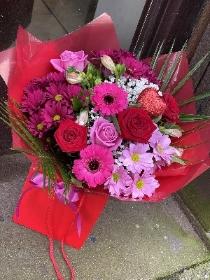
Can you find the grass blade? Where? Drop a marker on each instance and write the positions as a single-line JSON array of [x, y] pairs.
[[193, 118], [163, 68], [196, 98], [173, 67], [190, 73], [140, 52], [154, 64], [155, 54]]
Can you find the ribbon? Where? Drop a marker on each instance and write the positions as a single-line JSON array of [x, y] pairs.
[[71, 198]]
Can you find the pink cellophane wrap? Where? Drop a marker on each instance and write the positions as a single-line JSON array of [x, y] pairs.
[[30, 59]]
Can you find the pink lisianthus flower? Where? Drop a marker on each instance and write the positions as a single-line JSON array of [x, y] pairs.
[[109, 99], [143, 185], [136, 158], [105, 134], [163, 152], [119, 183], [77, 60], [95, 165]]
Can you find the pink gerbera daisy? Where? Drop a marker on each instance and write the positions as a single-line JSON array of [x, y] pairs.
[[54, 112], [109, 99], [95, 165], [144, 185]]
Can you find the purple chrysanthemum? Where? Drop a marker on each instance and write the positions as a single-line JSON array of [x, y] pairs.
[[54, 112], [75, 91], [139, 69], [56, 92], [36, 125], [162, 150], [33, 101], [120, 182], [109, 99], [56, 77], [43, 82], [143, 185], [136, 158]]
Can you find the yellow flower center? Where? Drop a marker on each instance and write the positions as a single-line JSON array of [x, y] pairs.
[[40, 126], [139, 184], [115, 177], [58, 97], [56, 118], [159, 148], [135, 157]]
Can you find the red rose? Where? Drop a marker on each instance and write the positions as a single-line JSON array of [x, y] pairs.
[[136, 125], [172, 109], [70, 136]]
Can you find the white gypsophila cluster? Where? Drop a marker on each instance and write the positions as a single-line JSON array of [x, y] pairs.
[[118, 153], [133, 86], [93, 115]]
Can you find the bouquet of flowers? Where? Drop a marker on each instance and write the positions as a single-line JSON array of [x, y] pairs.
[[98, 121]]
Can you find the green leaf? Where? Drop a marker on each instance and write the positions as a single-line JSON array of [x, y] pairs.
[[196, 98], [154, 54], [163, 68], [192, 118], [190, 73], [154, 63], [172, 69], [140, 52], [179, 160], [77, 104], [157, 119]]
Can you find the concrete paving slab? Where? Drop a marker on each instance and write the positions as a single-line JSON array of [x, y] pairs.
[[71, 14], [131, 241], [43, 24]]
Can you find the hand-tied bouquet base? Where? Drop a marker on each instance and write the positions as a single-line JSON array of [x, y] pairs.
[[98, 121]]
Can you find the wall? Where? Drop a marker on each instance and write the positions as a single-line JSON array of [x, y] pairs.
[[125, 14]]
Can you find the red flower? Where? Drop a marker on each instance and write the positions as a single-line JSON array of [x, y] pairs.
[[172, 111], [70, 136], [136, 125]]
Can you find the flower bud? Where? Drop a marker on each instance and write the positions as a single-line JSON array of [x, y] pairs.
[[73, 77], [82, 119], [108, 63]]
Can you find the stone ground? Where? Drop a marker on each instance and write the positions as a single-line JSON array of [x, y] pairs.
[[131, 241]]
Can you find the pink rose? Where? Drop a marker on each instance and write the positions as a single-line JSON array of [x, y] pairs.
[[78, 60], [105, 134]]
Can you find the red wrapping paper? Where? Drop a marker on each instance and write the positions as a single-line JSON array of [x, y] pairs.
[[30, 59]]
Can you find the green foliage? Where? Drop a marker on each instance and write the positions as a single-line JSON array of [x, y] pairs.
[[50, 166], [119, 70], [91, 77], [196, 98], [163, 68], [156, 55], [182, 82], [76, 104], [172, 69], [193, 118]]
